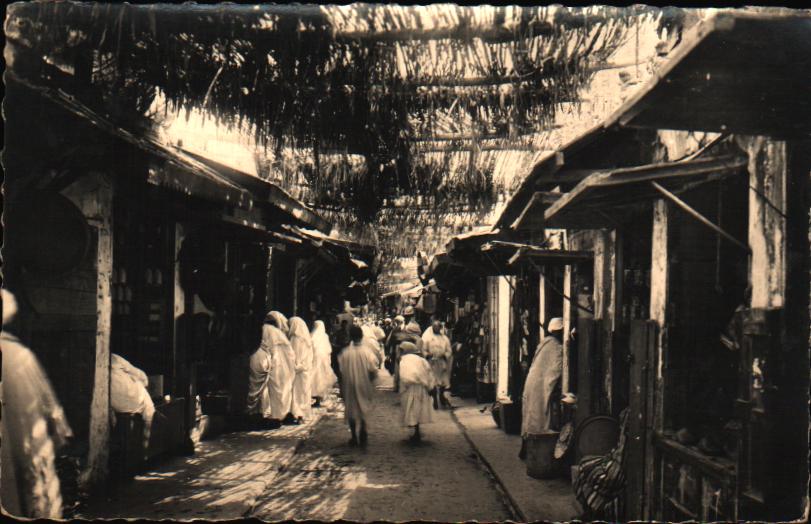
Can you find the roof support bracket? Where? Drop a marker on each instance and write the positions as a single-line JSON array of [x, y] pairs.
[[698, 216]]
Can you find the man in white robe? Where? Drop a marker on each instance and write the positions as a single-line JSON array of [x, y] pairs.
[[543, 381], [436, 348], [359, 369], [303, 349]]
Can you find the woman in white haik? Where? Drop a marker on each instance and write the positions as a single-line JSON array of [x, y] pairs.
[[258, 405], [303, 349], [323, 378], [283, 371], [416, 382]]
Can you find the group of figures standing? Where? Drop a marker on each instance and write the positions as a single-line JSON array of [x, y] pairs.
[[291, 367]]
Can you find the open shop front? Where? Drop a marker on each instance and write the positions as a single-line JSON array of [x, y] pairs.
[[110, 277], [748, 458], [544, 284], [491, 314], [327, 271], [686, 310], [462, 293]]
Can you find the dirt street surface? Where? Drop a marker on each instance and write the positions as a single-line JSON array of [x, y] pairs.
[[441, 479]]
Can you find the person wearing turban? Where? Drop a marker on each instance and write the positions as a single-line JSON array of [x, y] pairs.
[[542, 384], [411, 333]]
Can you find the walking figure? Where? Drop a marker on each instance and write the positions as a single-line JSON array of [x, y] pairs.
[[359, 367], [416, 382]]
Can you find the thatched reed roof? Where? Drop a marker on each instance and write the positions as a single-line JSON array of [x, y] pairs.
[[398, 116], [371, 80]]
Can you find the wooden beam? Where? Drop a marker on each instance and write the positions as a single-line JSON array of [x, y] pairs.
[[698, 216], [531, 79], [506, 147], [539, 197], [444, 137], [647, 173], [688, 168]]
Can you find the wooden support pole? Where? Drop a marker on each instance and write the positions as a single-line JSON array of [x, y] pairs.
[[767, 227], [504, 298], [542, 306], [568, 275], [179, 304], [660, 291], [96, 471]]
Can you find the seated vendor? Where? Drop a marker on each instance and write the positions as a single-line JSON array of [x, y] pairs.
[[128, 392]]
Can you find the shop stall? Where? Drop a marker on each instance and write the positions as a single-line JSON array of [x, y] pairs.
[[696, 212], [151, 254]]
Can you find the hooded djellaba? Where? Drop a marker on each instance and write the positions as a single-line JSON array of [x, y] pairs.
[[416, 383], [34, 427], [261, 362], [283, 371], [303, 349], [371, 340], [323, 378]]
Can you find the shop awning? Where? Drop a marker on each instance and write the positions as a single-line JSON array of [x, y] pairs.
[[605, 146], [266, 192], [466, 250], [447, 274], [170, 169], [512, 257], [188, 173], [745, 73], [471, 241], [526, 253], [592, 202], [364, 252]]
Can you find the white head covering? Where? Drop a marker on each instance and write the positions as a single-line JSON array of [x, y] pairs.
[[9, 306], [320, 338], [281, 320], [298, 328], [413, 328], [556, 324], [408, 348], [318, 328]]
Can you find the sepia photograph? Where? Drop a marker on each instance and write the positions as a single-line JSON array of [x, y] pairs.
[[405, 263]]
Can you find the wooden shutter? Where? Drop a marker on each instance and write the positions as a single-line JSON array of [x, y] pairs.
[[640, 404]]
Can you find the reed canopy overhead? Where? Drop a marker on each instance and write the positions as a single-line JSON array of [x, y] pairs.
[[400, 113]]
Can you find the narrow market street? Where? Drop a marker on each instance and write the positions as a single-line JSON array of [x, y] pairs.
[[391, 479], [309, 472], [248, 247]]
